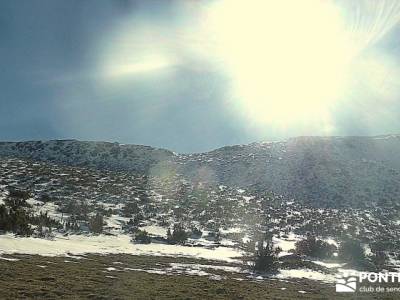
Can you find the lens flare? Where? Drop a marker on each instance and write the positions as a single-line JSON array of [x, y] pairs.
[[145, 64]]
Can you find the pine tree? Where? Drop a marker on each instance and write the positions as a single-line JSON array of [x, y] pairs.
[[96, 223]]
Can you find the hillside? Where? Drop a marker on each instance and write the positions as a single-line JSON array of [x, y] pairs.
[[67, 199], [145, 225], [322, 171]]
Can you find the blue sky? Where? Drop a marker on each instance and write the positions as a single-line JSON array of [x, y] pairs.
[[92, 70]]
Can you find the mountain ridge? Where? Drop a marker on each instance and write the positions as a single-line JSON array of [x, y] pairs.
[[323, 171], [322, 137]]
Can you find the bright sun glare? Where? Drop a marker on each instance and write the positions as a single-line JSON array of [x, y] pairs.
[[289, 62], [288, 59]]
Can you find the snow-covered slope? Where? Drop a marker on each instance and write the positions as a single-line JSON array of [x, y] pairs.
[[323, 171], [333, 171]]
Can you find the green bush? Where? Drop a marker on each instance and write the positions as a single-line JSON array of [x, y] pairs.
[[45, 198], [71, 224], [142, 236], [378, 257], [16, 203], [96, 223], [352, 251], [15, 217], [20, 194], [196, 232], [265, 257], [44, 220], [79, 209], [178, 235], [314, 248], [130, 208]]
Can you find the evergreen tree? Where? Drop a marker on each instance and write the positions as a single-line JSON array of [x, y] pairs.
[[352, 252], [96, 223], [265, 257]]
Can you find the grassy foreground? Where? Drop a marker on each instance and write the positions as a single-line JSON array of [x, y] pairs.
[[106, 277]]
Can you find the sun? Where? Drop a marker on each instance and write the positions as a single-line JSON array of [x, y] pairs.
[[287, 60]]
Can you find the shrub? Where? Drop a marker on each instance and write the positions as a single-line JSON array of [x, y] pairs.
[[96, 223], [20, 223], [314, 248], [265, 257], [130, 208], [20, 194], [45, 221], [45, 198], [352, 251], [378, 256], [16, 203], [4, 218], [196, 233], [71, 224], [108, 212], [79, 209], [143, 237], [15, 218], [178, 235], [215, 236]]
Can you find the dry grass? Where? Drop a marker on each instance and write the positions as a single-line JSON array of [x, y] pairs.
[[87, 279]]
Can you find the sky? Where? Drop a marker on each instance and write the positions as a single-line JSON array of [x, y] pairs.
[[195, 75]]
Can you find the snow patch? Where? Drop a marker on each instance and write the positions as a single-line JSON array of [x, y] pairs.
[[102, 244]]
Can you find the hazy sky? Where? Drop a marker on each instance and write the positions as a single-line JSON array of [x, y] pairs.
[[196, 75]]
